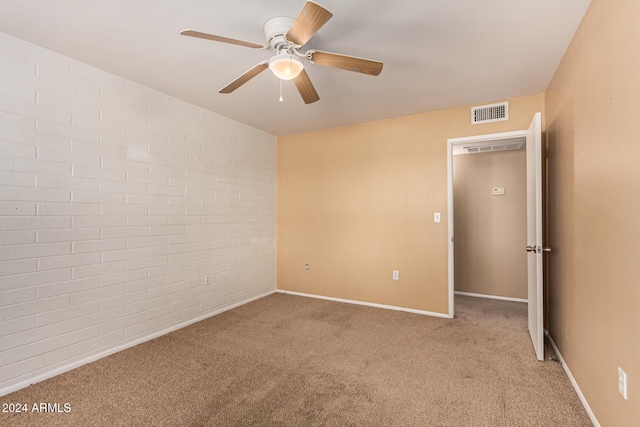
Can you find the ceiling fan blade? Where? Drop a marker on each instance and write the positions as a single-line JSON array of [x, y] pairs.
[[305, 87], [351, 63], [198, 34], [310, 19], [245, 77]]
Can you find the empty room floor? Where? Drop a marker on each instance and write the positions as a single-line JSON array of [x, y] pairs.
[[287, 360]]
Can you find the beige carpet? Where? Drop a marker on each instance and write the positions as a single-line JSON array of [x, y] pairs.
[[293, 361]]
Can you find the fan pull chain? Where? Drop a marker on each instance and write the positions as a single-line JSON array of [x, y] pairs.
[[280, 99]]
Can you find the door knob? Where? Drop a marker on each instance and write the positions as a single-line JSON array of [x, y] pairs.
[[546, 249], [531, 248]]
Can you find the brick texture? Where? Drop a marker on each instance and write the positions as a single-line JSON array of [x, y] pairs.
[[116, 202]]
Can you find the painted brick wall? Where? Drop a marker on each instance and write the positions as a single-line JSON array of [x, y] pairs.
[[116, 202]]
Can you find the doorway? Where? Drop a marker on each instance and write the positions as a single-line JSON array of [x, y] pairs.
[[534, 247], [471, 146], [490, 219]]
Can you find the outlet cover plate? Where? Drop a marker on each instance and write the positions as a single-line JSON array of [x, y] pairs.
[[622, 383]]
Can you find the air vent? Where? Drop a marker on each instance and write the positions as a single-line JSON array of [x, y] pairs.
[[490, 113], [506, 145]]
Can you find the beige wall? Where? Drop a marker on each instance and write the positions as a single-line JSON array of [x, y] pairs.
[[593, 114], [490, 231], [357, 202]]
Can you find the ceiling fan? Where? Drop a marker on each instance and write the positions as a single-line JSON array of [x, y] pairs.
[[285, 37]]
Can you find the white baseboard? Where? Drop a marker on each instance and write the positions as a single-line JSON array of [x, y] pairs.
[[368, 304], [93, 358], [469, 294], [575, 385]]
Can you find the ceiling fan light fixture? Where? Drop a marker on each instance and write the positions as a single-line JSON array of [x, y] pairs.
[[285, 36], [285, 66]]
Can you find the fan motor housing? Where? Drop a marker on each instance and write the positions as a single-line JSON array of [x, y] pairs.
[[275, 30]]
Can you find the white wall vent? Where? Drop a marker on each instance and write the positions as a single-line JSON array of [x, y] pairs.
[[516, 143], [493, 147], [490, 113]]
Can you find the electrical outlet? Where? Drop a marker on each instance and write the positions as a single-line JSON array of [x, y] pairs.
[[622, 383], [306, 266], [207, 280], [396, 275]]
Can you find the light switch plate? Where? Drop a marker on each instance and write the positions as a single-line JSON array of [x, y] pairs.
[[436, 217]]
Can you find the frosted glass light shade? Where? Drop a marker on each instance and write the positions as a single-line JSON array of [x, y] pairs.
[[285, 66]]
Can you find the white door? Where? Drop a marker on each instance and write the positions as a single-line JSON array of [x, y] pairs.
[[534, 234]]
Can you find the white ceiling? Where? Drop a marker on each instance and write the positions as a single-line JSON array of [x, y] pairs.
[[436, 53]]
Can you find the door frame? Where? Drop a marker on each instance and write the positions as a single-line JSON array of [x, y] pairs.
[[451, 142]]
